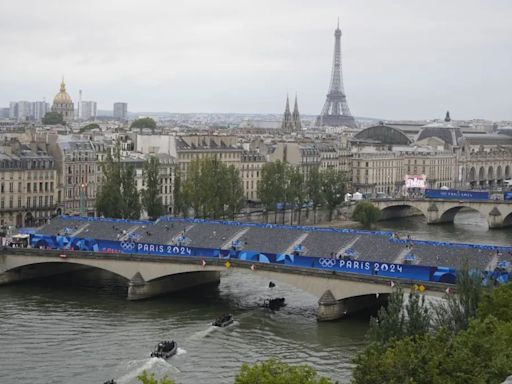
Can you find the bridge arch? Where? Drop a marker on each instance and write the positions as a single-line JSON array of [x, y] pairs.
[[400, 210], [448, 216], [507, 221]]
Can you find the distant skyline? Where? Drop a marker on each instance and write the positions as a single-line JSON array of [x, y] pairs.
[[401, 59]]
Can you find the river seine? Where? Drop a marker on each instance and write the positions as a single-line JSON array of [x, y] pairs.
[[71, 330]]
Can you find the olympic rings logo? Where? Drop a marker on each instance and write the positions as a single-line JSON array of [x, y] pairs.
[[127, 246], [329, 263]]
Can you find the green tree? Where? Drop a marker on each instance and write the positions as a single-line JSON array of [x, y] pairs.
[[109, 201], [130, 196], [53, 118], [178, 197], [399, 319], [89, 127], [497, 302], [366, 213], [151, 199], [297, 190], [389, 323], [235, 196], [271, 188], [212, 188], [314, 190], [144, 122], [458, 309], [333, 189], [480, 354], [192, 189], [273, 371], [408, 361], [144, 378]]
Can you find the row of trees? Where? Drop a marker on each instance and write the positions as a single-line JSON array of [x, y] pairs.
[[118, 196], [465, 339], [284, 185], [212, 189]]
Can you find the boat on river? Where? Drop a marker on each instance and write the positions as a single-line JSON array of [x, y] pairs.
[[224, 320], [165, 349], [274, 304]]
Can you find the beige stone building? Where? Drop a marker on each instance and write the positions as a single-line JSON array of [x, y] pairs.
[[251, 164], [306, 156], [79, 173], [28, 184], [383, 158]]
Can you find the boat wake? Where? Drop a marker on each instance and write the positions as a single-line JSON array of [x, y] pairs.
[[153, 364]]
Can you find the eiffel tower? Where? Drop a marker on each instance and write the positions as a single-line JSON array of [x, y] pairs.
[[335, 112]]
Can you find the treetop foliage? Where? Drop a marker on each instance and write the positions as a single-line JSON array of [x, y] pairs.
[[53, 118], [465, 340], [366, 213], [144, 122], [212, 188], [89, 127], [273, 371]]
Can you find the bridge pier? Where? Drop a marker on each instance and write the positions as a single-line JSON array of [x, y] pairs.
[[329, 308], [139, 289]]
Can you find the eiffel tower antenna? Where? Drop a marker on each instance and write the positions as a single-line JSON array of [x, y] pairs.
[[335, 112]]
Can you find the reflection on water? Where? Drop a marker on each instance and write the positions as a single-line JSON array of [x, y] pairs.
[[87, 333], [469, 227]]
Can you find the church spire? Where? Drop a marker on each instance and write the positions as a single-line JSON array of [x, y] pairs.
[[62, 85], [447, 118], [287, 125], [297, 125]]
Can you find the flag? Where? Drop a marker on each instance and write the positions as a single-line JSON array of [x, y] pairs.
[[422, 288], [203, 263], [253, 267], [448, 290], [391, 284], [227, 264]]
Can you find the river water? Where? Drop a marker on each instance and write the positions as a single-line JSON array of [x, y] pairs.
[[80, 328]]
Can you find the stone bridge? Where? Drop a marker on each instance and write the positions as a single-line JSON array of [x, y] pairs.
[[497, 212], [339, 293]]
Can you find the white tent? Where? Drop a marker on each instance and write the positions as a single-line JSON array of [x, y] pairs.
[[357, 196]]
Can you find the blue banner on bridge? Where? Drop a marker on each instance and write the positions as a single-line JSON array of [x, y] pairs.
[[454, 194], [391, 270]]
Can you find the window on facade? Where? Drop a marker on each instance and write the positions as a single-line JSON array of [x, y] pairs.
[[34, 202], [28, 202], [19, 202], [51, 200]]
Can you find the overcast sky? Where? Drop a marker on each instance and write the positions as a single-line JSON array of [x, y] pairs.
[[402, 59]]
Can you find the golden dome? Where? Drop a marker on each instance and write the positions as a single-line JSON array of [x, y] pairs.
[[62, 97]]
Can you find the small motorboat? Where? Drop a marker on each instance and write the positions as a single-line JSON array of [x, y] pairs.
[[274, 304], [224, 320], [165, 349], [111, 381]]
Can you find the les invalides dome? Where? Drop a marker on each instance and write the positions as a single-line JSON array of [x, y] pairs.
[[63, 104]]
